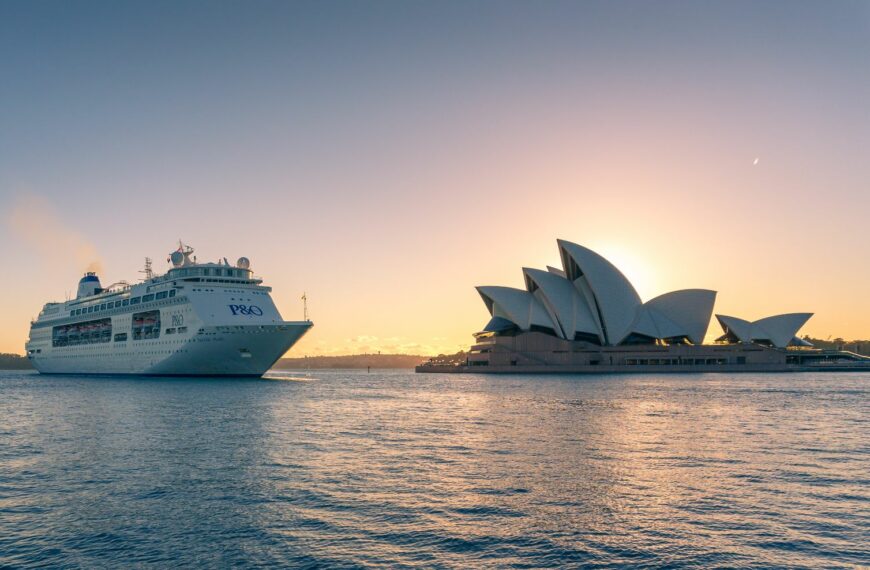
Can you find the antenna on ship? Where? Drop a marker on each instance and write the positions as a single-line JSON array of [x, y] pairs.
[[304, 306], [149, 273], [181, 257]]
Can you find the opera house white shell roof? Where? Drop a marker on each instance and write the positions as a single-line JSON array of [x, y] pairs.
[[589, 299], [778, 330]]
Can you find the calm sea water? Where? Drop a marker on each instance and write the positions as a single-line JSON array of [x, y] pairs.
[[347, 469]]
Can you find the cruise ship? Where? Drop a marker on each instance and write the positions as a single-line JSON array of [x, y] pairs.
[[198, 319]]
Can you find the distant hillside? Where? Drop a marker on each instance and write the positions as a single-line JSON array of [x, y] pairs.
[[17, 362], [13, 362], [353, 361], [859, 346]]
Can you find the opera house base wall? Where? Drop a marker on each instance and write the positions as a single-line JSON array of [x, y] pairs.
[[536, 353], [616, 369]]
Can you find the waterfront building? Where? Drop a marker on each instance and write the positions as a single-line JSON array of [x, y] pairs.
[[587, 317]]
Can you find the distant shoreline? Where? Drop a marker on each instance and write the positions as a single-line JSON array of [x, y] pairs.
[[351, 361], [386, 361]]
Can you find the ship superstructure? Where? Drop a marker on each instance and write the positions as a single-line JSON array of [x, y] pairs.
[[197, 319]]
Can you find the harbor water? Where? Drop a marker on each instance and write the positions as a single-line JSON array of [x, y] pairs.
[[345, 469]]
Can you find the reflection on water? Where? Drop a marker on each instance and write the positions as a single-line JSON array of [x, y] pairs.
[[288, 376], [339, 469]]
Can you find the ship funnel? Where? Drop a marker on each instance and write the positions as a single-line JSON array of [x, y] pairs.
[[89, 285]]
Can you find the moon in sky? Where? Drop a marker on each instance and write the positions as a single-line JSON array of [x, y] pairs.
[[754, 162]]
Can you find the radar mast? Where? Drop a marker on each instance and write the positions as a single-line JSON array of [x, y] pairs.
[[181, 257], [148, 271]]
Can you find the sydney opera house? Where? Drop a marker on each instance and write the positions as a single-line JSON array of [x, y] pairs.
[[587, 317]]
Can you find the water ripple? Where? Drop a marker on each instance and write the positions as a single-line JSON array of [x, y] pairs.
[[345, 470]]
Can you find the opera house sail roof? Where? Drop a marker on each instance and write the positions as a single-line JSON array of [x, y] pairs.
[[590, 300], [778, 330]]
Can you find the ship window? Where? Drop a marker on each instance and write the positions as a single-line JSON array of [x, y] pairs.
[[103, 307], [91, 309], [182, 330], [121, 337], [135, 300], [172, 293], [146, 325], [162, 295], [170, 331], [88, 332], [146, 298], [125, 302]]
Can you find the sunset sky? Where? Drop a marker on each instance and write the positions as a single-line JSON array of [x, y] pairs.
[[386, 157]]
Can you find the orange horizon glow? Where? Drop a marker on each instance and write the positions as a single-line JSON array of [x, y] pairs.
[[372, 319]]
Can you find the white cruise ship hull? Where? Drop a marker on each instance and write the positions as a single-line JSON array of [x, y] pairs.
[[215, 351], [197, 320]]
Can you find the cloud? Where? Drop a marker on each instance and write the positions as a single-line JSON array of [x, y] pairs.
[[371, 344], [363, 338], [34, 220]]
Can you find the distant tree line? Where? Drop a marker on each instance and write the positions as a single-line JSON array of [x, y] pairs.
[[353, 361], [18, 362], [457, 359], [858, 346], [13, 362]]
